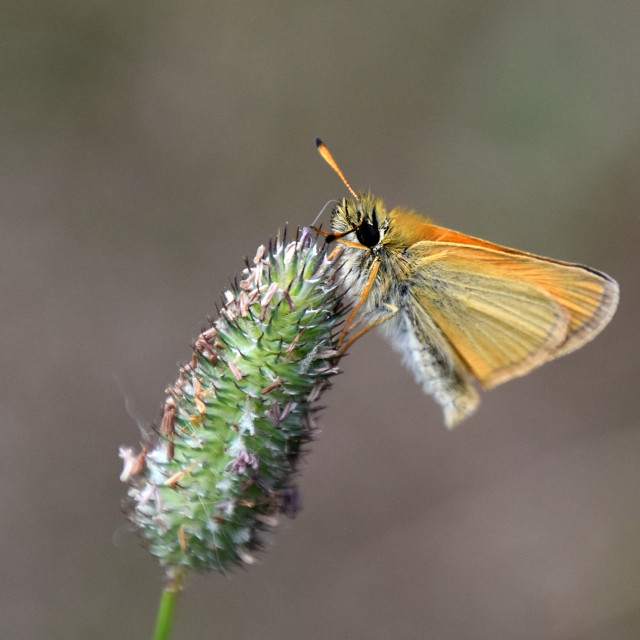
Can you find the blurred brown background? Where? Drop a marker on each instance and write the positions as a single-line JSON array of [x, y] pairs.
[[146, 147]]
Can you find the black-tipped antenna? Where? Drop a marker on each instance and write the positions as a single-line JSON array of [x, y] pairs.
[[328, 158]]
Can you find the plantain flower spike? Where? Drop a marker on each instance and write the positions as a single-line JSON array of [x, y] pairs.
[[219, 469]]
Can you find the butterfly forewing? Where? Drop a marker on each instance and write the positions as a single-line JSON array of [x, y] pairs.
[[589, 296]]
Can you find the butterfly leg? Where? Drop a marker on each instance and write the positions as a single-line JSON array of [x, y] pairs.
[[392, 312], [363, 297]]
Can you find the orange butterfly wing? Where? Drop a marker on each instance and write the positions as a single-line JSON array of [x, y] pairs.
[[504, 312]]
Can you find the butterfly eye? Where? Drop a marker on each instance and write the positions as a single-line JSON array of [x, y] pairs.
[[368, 233]]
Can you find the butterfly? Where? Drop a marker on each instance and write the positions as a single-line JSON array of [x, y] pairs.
[[460, 310]]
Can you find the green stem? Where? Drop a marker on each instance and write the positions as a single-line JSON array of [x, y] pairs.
[[167, 607]]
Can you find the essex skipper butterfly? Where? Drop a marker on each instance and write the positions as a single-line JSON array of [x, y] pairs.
[[459, 308]]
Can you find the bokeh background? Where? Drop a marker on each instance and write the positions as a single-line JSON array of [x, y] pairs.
[[148, 146]]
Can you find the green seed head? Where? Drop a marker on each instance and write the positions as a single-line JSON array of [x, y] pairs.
[[220, 468]]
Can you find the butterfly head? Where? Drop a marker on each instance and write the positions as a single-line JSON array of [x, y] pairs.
[[363, 220]]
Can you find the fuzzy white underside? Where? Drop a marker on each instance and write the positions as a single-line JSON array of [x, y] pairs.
[[433, 369]]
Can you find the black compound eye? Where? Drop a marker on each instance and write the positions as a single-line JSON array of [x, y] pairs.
[[368, 233]]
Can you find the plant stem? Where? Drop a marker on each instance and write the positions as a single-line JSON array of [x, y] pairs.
[[167, 607]]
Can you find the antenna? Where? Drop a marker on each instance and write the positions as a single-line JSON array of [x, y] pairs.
[[328, 158]]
